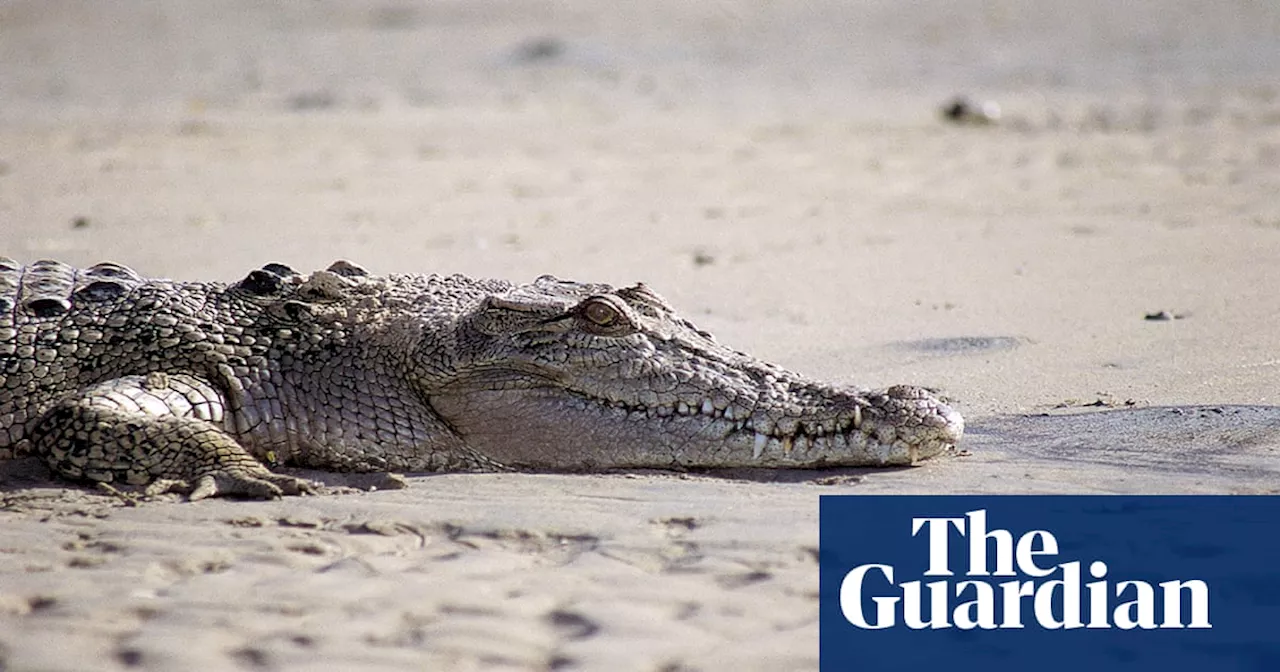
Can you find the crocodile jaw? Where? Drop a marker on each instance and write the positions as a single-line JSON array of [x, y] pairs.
[[555, 429]]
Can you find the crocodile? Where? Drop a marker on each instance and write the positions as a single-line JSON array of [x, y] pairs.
[[205, 387]]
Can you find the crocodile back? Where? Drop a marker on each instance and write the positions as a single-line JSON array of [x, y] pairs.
[[62, 328]]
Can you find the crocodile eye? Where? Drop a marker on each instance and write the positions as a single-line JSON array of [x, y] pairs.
[[600, 313]]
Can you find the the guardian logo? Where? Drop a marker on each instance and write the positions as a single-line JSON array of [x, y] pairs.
[[1012, 582]]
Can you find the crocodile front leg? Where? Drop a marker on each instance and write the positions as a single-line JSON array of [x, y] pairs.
[[158, 429]]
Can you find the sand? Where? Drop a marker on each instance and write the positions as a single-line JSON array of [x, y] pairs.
[[780, 172]]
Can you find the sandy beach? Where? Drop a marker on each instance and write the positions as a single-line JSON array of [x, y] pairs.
[[1092, 277]]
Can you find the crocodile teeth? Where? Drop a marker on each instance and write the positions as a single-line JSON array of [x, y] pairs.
[[857, 417], [707, 408], [787, 444], [758, 449]]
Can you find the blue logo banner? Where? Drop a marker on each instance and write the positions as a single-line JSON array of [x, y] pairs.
[[1046, 583]]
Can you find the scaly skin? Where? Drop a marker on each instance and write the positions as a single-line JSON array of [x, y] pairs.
[[115, 378]]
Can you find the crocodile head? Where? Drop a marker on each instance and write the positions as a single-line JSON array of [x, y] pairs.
[[564, 375]]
